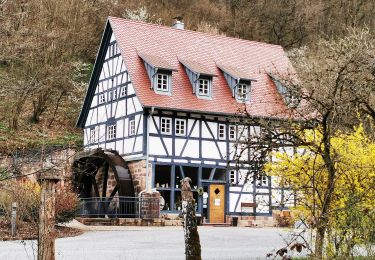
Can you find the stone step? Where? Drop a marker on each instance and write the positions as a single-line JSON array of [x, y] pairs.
[[121, 222], [98, 221], [216, 224]]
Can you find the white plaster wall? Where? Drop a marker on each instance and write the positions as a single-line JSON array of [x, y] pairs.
[[179, 144], [276, 197], [120, 147], [209, 150], [262, 203], [205, 132], [195, 132], [139, 120], [192, 149], [120, 108], [156, 146], [168, 144]]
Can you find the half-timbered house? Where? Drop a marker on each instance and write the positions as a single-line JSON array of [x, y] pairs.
[[166, 99]]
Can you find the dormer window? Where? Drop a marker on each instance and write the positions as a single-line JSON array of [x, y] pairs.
[[162, 82], [290, 96], [204, 87], [159, 72], [242, 92], [200, 78], [238, 81]]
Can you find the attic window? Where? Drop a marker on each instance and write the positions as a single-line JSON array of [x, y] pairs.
[[204, 87], [290, 97], [200, 78], [159, 72], [243, 91], [238, 81], [163, 82]]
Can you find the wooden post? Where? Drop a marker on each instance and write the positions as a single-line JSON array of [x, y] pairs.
[[46, 226], [14, 218], [192, 242]]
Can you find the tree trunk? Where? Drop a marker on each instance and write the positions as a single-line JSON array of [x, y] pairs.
[[319, 242], [192, 242], [39, 106], [46, 228], [327, 199]]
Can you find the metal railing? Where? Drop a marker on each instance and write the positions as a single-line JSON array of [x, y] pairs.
[[119, 207]]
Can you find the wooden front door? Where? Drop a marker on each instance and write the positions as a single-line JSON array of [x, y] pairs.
[[217, 203]]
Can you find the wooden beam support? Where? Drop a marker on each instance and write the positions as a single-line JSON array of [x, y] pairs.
[[105, 178], [46, 225]]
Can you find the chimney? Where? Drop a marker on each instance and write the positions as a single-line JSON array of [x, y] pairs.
[[178, 23]]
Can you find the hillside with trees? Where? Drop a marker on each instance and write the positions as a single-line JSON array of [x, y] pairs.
[[47, 48]]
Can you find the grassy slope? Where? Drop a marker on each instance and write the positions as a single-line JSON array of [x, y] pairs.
[[34, 136]]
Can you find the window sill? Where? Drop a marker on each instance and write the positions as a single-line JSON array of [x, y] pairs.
[[162, 92]]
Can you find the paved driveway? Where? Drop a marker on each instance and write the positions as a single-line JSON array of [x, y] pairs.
[[155, 243]]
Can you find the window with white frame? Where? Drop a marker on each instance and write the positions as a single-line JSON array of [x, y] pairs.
[[131, 127], [111, 131], [180, 127], [165, 125], [101, 98], [293, 100], [242, 91], [123, 91], [221, 131], [232, 176], [232, 132], [114, 94], [204, 87], [162, 82], [93, 134], [263, 180]]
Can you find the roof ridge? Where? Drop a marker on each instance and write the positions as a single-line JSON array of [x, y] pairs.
[[195, 32]]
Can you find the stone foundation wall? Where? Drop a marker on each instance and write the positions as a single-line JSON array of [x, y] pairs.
[[252, 221], [138, 172]]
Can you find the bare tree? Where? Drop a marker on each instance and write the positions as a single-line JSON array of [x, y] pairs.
[[335, 85]]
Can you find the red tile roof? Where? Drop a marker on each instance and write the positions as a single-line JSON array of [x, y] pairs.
[[197, 67], [235, 72], [156, 61], [253, 59]]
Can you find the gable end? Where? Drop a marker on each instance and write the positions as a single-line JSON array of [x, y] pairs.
[[95, 75]]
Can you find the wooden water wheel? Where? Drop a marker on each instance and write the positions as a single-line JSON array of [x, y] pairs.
[[104, 184]]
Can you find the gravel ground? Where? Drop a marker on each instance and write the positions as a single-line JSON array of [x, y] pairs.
[[155, 243]]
